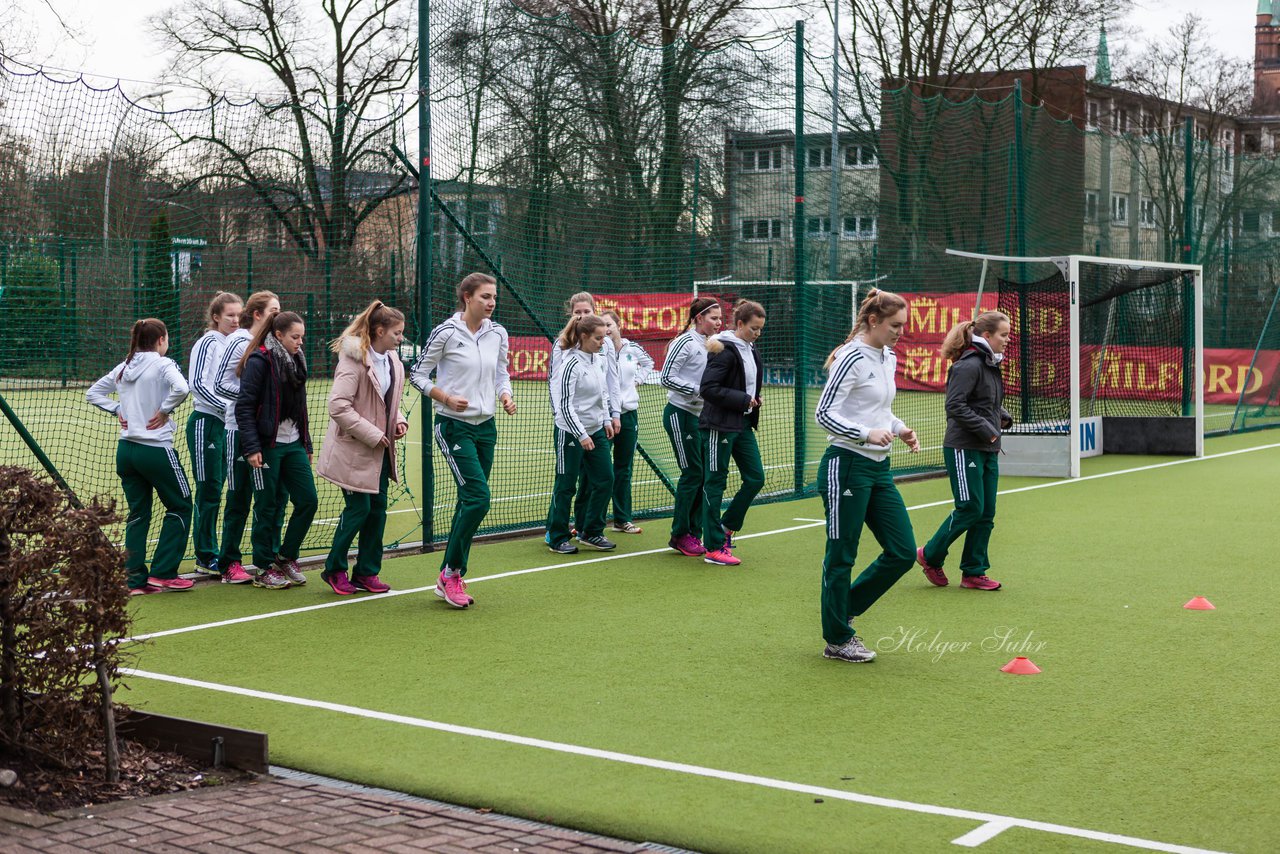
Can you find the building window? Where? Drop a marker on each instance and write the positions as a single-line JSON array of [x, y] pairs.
[[1090, 206], [818, 225], [1275, 222], [860, 156], [1119, 207], [819, 158], [762, 160], [1094, 110], [859, 227], [1147, 213], [1150, 123], [1120, 120], [762, 229], [1250, 222]]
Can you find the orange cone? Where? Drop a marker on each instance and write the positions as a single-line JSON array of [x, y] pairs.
[[1199, 603], [1021, 666]]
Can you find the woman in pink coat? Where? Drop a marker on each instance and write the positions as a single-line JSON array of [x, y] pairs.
[[359, 450]]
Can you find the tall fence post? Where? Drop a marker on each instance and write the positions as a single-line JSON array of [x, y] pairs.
[[424, 256], [1189, 189], [248, 270], [693, 223], [800, 330]]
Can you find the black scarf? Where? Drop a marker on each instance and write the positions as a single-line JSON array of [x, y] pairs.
[[292, 371]]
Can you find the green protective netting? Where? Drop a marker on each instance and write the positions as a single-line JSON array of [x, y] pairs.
[[573, 152]]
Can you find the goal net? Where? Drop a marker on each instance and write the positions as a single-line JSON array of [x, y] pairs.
[[1104, 357]]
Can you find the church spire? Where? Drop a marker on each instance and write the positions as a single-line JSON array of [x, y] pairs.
[[1102, 72]]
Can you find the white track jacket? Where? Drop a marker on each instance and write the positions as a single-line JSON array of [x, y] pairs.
[[683, 369], [579, 394], [473, 366], [858, 398], [226, 383], [202, 369]]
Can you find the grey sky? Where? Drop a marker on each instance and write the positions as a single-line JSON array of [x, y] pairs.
[[115, 41]]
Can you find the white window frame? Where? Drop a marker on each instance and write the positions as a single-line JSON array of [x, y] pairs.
[[824, 157], [774, 228], [867, 226], [1093, 112], [858, 153], [772, 155], [1090, 206], [1257, 222], [1147, 210], [1120, 208]]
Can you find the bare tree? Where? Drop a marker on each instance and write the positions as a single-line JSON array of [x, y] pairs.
[[337, 72], [1184, 76]]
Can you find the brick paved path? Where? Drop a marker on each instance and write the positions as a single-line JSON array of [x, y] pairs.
[[274, 815]]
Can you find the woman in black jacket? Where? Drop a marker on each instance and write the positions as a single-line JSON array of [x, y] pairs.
[[730, 413], [971, 447], [271, 412]]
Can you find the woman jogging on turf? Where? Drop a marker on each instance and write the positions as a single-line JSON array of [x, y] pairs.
[[634, 366], [359, 450], [275, 438], [258, 312], [580, 399], [854, 477], [730, 392], [971, 448], [468, 354], [206, 430], [149, 387], [681, 377]]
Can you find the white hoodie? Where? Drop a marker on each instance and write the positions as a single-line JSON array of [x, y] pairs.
[[226, 382], [150, 383], [580, 395], [858, 398], [473, 366]]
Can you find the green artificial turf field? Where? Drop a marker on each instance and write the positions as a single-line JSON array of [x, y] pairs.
[[656, 697]]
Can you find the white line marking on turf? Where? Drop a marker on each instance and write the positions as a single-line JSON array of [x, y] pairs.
[[813, 524], [982, 833], [987, 819]]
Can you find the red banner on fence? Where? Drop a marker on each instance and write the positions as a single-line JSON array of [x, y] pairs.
[[653, 319]]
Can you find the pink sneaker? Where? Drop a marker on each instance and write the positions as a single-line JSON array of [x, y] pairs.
[[979, 582], [936, 576], [338, 582], [369, 583], [236, 574], [687, 545], [722, 557], [453, 590], [168, 583]]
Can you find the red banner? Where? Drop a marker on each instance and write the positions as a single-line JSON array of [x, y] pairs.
[[1144, 373]]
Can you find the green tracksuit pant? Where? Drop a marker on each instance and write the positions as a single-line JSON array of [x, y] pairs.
[[468, 452], [235, 514], [857, 490], [719, 448], [686, 441], [975, 478], [597, 468], [206, 443], [624, 455], [289, 467], [144, 469], [364, 515]]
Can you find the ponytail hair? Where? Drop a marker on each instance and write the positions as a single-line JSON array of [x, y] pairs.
[[375, 316], [282, 322], [700, 306], [745, 310], [960, 338], [220, 301], [879, 304], [256, 304], [578, 328], [470, 283], [145, 336]]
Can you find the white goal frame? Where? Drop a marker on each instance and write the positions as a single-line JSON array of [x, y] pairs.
[[1049, 459]]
